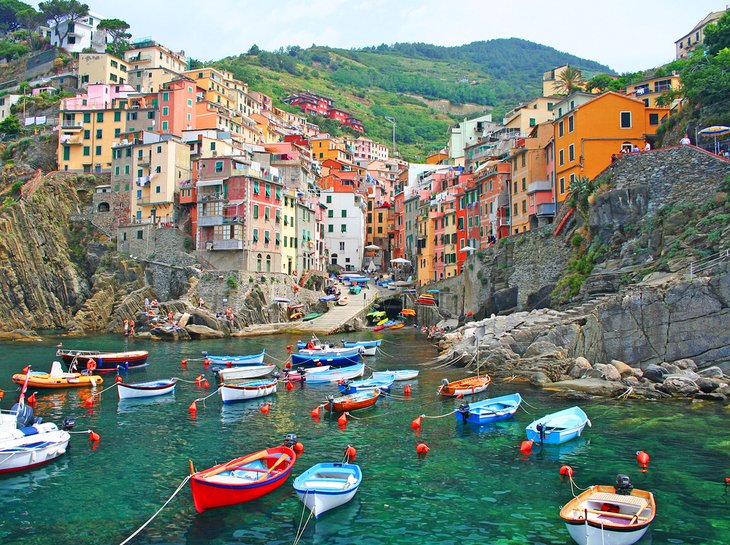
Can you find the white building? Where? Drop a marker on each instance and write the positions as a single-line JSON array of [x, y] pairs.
[[467, 133], [344, 233], [6, 102], [82, 35]]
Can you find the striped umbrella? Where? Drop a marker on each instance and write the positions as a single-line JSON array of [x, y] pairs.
[[715, 131]]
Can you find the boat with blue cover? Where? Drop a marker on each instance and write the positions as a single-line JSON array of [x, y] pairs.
[[315, 360], [351, 387], [252, 359], [367, 348], [327, 485], [336, 375], [559, 427], [489, 410], [330, 351]]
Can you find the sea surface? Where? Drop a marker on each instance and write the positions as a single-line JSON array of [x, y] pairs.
[[473, 487]]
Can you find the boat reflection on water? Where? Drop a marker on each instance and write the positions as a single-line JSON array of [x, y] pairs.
[[561, 453], [510, 428], [22, 484], [133, 405]]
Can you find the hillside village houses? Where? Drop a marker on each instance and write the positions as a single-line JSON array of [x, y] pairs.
[[261, 189]]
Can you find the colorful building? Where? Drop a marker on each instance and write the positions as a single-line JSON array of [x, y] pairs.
[[150, 54], [345, 228], [648, 91], [687, 43], [102, 68], [177, 106]]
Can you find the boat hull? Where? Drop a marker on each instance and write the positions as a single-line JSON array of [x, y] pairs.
[[45, 380], [253, 359], [330, 352], [244, 371], [26, 452], [223, 489], [558, 428], [106, 362], [399, 375], [490, 410], [368, 385], [231, 393], [327, 485], [146, 389], [466, 386], [317, 360], [353, 402], [588, 535], [336, 375]]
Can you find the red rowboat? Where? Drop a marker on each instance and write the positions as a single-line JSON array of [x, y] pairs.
[[105, 362], [352, 402], [243, 479]]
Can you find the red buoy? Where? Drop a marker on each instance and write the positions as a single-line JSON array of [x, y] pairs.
[[119, 379], [26, 369], [407, 390], [298, 447], [289, 386], [315, 411], [566, 471], [229, 364], [184, 363], [416, 423], [643, 459], [206, 362], [350, 453], [206, 384], [193, 408], [94, 437], [265, 408], [89, 402], [288, 365], [31, 401], [422, 449], [526, 447], [342, 420], [288, 348]]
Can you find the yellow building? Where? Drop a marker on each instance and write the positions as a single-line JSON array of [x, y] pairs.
[[151, 80], [102, 68], [288, 227], [150, 54], [648, 91], [325, 147], [551, 79], [687, 43], [157, 169], [525, 117]]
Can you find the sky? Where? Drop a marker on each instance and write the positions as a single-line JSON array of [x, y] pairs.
[[626, 35]]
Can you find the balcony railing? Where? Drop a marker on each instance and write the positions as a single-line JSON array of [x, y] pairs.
[[228, 244], [546, 209], [541, 185], [210, 221]]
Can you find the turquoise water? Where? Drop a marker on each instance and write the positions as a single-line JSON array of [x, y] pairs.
[[473, 487]]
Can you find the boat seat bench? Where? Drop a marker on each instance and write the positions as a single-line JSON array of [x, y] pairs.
[[608, 497]]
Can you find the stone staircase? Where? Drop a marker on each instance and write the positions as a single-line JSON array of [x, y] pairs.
[[338, 316]]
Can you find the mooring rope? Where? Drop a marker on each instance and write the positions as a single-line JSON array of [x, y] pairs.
[[209, 395], [177, 490], [439, 416]]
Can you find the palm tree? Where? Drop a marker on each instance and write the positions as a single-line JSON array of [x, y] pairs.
[[568, 81]]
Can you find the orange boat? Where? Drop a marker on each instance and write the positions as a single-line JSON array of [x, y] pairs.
[[465, 386], [352, 402], [57, 379], [396, 326]]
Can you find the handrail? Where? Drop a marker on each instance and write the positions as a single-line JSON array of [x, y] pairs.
[[707, 263]]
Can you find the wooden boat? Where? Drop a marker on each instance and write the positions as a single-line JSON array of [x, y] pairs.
[[400, 374], [489, 410], [239, 372], [252, 359], [243, 479], [336, 375], [367, 348], [325, 350], [317, 360], [342, 301], [559, 427], [352, 402], [325, 486], [146, 389], [25, 442], [465, 386], [106, 362], [241, 391], [302, 373], [57, 379], [397, 326], [311, 316], [615, 515], [351, 387]]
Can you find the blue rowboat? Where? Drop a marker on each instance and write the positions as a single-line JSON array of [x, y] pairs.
[[399, 375], [489, 410], [328, 351], [315, 360], [326, 485], [366, 344], [559, 427], [253, 359], [382, 384], [336, 375]]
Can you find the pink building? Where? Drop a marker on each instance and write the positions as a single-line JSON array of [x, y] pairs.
[[98, 96]]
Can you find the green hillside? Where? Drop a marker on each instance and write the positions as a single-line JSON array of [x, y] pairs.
[[393, 81]]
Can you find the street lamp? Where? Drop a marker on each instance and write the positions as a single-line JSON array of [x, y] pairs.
[[392, 121]]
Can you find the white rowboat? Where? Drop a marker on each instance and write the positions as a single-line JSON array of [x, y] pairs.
[[242, 391], [245, 371], [325, 486], [146, 389]]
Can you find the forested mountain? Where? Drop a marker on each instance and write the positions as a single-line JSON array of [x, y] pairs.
[[403, 80]]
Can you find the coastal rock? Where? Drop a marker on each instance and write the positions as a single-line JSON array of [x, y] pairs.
[[706, 385], [543, 349], [711, 372], [686, 363], [671, 369], [623, 369], [678, 385], [655, 373], [582, 362], [20, 335], [604, 371], [539, 379], [203, 332], [714, 396], [579, 368], [593, 386]]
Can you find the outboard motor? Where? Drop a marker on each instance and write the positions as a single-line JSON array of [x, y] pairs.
[[623, 485], [68, 423], [24, 415], [346, 386], [205, 354], [541, 430], [331, 401], [277, 375], [290, 439], [463, 410]]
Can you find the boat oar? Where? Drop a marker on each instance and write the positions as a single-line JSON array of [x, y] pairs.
[[237, 462], [282, 458]]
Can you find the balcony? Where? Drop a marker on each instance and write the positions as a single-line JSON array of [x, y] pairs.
[[546, 209], [208, 197], [70, 124], [71, 140], [153, 201], [210, 221], [541, 185], [228, 244]]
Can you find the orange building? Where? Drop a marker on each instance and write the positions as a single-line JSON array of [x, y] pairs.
[[589, 132], [176, 102]]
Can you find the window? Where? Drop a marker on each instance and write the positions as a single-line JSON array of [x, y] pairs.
[[267, 213], [330, 228], [117, 132], [255, 211], [278, 193], [524, 184], [561, 129], [625, 120], [165, 96], [342, 246], [158, 189], [66, 153], [328, 200], [524, 207], [140, 234], [139, 194], [116, 173], [278, 216], [277, 239], [140, 173], [571, 125], [561, 157], [100, 117], [330, 213], [344, 214], [268, 190], [255, 235], [653, 119], [343, 228], [87, 118], [515, 206], [87, 134], [532, 122], [219, 166], [267, 237], [158, 170], [98, 133], [164, 125], [87, 150], [255, 188], [117, 116], [562, 185], [571, 153]]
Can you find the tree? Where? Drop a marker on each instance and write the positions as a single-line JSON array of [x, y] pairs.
[[9, 10], [63, 11], [255, 50], [30, 18], [717, 35], [600, 82], [569, 81], [10, 126], [117, 30]]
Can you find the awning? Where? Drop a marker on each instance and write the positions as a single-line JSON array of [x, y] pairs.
[[206, 183]]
